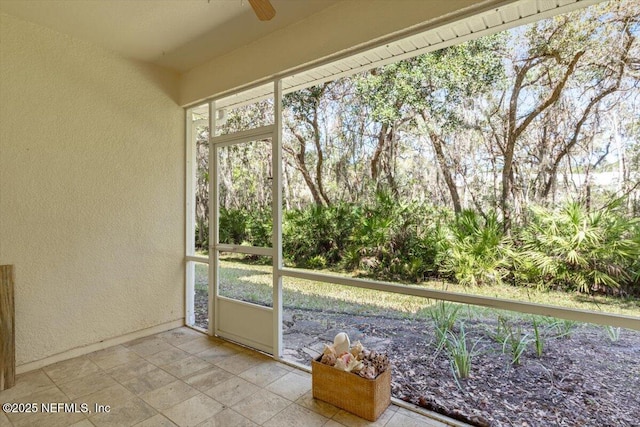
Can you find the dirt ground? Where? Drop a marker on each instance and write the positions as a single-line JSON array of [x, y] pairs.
[[583, 378]]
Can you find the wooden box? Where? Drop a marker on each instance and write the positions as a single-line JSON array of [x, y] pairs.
[[363, 397]]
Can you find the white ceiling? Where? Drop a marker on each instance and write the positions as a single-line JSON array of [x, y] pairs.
[[177, 34], [414, 42]]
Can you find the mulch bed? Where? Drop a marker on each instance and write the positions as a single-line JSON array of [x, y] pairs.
[[582, 379]]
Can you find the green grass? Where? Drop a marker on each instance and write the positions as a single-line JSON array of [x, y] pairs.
[[240, 279]]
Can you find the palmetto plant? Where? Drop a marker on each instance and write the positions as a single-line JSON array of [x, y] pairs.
[[317, 231], [581, 250], [474, 251], [393, 240]]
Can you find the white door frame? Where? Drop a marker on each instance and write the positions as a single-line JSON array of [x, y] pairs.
[[250, 324]]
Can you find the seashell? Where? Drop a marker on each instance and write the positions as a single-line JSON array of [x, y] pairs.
[[328, 359], [341, 364], [356, 349], [354, 366], [368, 372], [329, 349], [341, 343]]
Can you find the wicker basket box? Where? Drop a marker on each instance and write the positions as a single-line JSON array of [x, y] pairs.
[[363, 397]]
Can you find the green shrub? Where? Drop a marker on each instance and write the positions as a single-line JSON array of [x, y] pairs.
[[579, 250], [473, 252], [258, 228], [233, 224], [394, 240], [317, 231], [317, 261]]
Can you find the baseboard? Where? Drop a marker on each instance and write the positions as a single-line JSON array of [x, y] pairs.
[[80, 351]]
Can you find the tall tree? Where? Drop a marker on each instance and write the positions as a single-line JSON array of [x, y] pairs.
[[303, 122], [576, 61], [431, 93]]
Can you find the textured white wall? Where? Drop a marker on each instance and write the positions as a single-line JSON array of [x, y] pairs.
[[334, 30], [91, 191]]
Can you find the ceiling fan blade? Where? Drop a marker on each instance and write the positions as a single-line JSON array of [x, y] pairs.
[[263, 9]]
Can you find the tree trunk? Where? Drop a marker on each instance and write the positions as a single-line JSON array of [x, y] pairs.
[[446, 171], [516, 127], [301, 165], [320, 161], [375, 159]]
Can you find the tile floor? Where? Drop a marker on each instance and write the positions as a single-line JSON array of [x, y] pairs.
[[180, 378]]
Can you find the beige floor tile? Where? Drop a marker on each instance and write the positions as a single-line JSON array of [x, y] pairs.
[[291, 386], [186, 367], [204, 380], [217, 353], [83, 423], [52, 417], [193, 411], [180, 336], [27, 383], [333, 423], [131, 370], [4, 421], [87, 385], [156, 421], [350, 420], [169, 395], [52, 420], [199, 345], [227, 418], [264, 374], [150, 346], [322, 408], [232, 391], [252, 386], [294, 416], [261, 406], [123, 408], [148, 382], [129, 413], [404, 420], [71, 369], [418, 416], [239, 363], [141, 340], [167, 356], [113, 396], [113, 356], [237, 347]]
